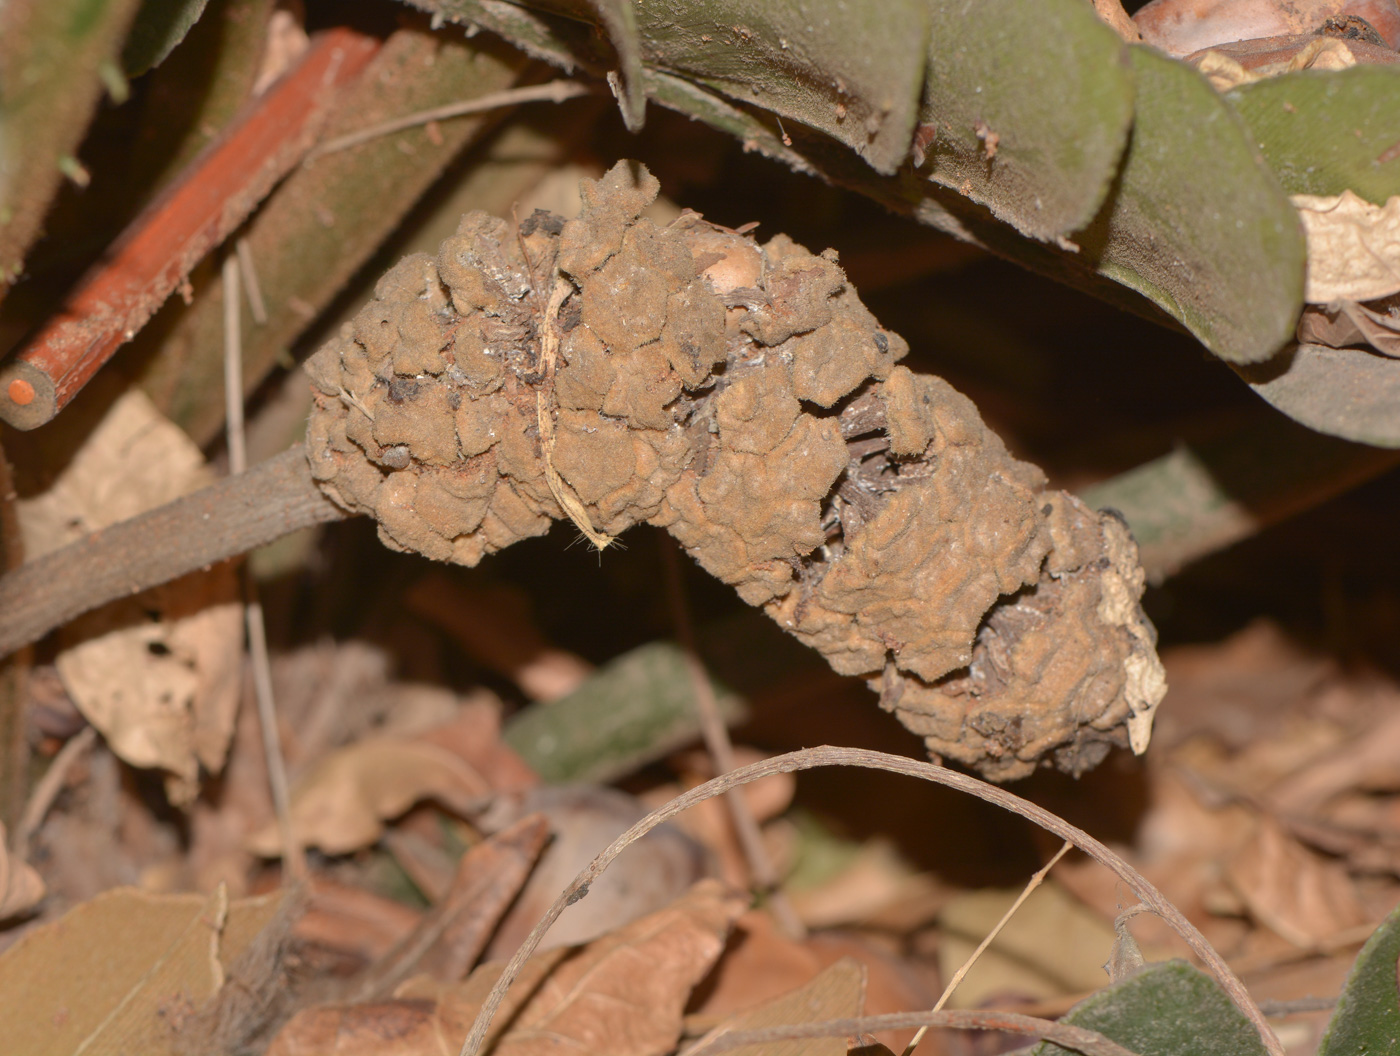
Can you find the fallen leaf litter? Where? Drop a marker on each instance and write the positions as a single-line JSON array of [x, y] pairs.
[[742, 397]]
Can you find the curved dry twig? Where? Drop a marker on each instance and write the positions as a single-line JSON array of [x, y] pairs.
[[1080, 1039], [811, 758]]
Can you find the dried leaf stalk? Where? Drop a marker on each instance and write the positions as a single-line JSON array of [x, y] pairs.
[[740, 396]]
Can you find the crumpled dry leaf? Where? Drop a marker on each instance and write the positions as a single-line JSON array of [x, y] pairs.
[[1353, 247], [20, 886], [122, 972], [621, 995], [163, 691], [342, 803], [1349, 324], [1293, 892], [837, 993]]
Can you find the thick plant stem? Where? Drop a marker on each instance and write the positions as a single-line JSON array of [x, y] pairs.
[[231, 517]]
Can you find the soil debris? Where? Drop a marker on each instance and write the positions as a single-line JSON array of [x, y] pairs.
[[741, 396]]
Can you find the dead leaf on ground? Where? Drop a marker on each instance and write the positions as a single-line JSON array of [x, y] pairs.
[[621, 995], [1349, 324], [158, 674], [352, 921], [1238, 690], [123, 971], [1296, 894], [760, 965], [711, 821], [1353, 247], [342, 803], [653, 872], [450, 937], [837, 993], [21, 888]]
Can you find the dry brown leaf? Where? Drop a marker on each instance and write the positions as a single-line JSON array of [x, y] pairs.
[[711, 822], [20, 886], [352, 921], [450, 937], [162, 691], [1371, 762], [621, 995], [1296, 894], [1237, 691], [121, 972], [651, 873], [877, 882], [474, 735], [837, 993], [761, 965], [1348, 324], [342, 803], [1353, 247]]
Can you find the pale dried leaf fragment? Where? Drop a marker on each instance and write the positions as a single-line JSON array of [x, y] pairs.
[[1353, 247], [621, 995], [159, 674], [1052, 946], [123, 971], [21, 888], [341, 804], [1226, 71]]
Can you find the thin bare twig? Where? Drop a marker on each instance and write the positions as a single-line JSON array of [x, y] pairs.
[[550, 92], [811, 758], [961, 974], [1080, 1039], [293, 856], [49, 786], [721, 749], [247, 268]]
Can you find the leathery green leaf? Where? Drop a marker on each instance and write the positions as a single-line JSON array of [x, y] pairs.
[[853, 71], [160, 25], [1028, 107], [1323, 132], [1346, 392], [1197, 223], [1367, 1019], [1166, 1009]]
